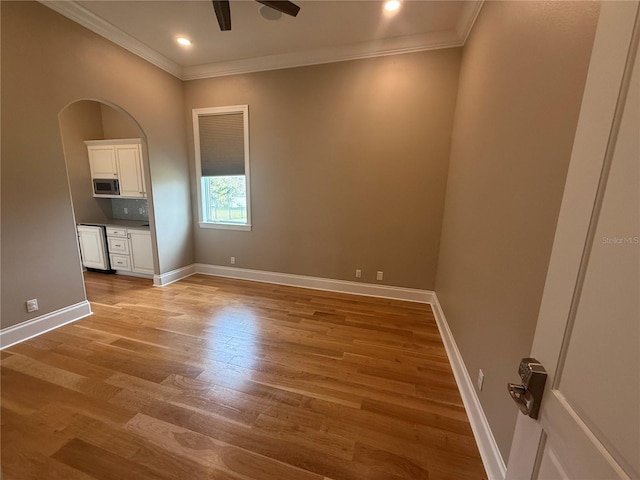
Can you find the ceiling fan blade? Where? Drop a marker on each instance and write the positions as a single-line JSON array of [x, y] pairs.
[[283, 6], [223, 14]]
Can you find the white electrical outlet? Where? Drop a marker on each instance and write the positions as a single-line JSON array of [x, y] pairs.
[[379, 275], [126, 211], [141, 210], [233, 260], [480, 379], [358, 273], [32, 305]]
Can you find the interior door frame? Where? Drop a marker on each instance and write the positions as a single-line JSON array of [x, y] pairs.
[[601, 110]]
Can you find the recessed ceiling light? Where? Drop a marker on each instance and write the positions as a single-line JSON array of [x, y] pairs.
[[183, 41], [392, 5]]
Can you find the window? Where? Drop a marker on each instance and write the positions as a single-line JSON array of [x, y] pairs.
[[221, 138]]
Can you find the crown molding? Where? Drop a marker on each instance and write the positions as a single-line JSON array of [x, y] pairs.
[[87, 19], [392, 46], [468, 19]]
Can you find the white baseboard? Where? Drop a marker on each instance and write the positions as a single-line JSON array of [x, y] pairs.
[[491, 457], [174, 275], [317, 283], [37, 326]]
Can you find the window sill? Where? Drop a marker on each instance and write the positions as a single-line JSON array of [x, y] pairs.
[[225, 226]]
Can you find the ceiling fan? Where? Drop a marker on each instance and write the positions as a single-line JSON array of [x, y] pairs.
[[223, 12]]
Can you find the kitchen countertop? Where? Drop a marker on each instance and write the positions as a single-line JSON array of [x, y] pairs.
[[115, 222]]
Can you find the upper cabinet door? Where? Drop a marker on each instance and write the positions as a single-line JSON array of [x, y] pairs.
[[102, 160], [129, 161]]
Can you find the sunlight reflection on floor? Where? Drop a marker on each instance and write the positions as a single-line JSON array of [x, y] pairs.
[[232, 340]]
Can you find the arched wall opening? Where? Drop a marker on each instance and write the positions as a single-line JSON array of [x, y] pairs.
[[93, 119]]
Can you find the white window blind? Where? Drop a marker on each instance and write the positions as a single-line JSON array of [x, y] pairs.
[[221, 144]]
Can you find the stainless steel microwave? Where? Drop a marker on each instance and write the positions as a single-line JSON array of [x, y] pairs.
[[106, 186]]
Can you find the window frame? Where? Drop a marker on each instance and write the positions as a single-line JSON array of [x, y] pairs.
[[202, 112]]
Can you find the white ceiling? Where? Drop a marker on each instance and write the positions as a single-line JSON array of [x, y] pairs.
[[324, 31]]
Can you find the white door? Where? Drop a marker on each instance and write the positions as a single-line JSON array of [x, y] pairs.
[[130, 169], [141, 252], [588, 332], [92, 247]]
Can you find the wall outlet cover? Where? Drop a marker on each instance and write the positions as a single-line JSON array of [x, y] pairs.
[[32, 305]]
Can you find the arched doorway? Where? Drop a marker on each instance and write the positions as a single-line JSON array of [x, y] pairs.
[[97, 120]]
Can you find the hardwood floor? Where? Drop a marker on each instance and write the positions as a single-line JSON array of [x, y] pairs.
[[212, 378]]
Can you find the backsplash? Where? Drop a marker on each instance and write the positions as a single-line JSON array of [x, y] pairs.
[[129, 209]]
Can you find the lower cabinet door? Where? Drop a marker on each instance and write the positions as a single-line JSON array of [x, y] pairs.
[[92, 247], [140, 251]]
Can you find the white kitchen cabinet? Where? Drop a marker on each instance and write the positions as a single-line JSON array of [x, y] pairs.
[[118, 243], [121, 159], [102, 161], [120, 262], [92, 247], [129, 160], [116, 232], [130, 250], [141, 253]]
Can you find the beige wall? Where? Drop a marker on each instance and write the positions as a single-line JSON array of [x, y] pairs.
[[117, 125], [521, 83], [82, 121], [56, 63], [348, 167]]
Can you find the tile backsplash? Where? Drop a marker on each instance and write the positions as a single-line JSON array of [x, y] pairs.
[[129, 209]]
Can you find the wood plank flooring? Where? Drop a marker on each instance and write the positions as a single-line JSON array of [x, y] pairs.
[[212, 378]]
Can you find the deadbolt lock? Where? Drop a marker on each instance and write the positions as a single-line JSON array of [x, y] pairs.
[[528, 395]]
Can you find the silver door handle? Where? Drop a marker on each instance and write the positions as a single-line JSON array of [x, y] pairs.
[[518, 393]]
